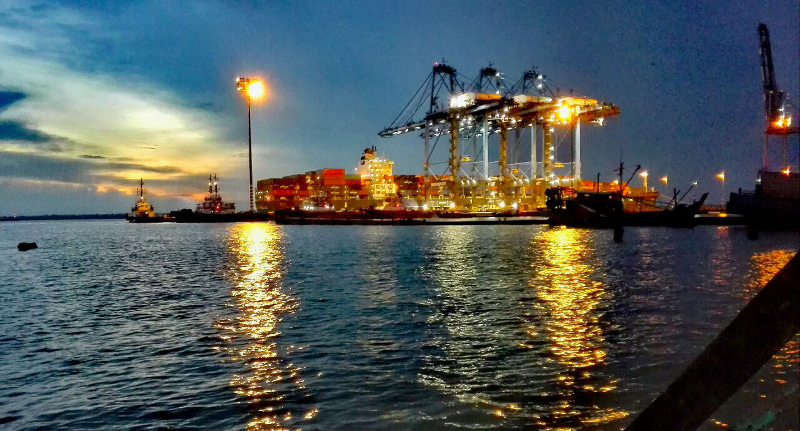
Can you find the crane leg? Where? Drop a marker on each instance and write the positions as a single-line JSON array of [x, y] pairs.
[[454, 160], [533, 152], [547, 152], [503, 159]]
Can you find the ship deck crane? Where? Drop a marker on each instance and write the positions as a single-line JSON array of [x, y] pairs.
[[779, 121]]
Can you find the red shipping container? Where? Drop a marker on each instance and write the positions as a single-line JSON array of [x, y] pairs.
[[326, 172], [332, 182]]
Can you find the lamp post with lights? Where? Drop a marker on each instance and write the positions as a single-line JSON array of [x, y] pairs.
[[252, 89], [644, 176], [721, 176]]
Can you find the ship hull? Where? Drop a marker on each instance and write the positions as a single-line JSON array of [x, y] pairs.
[[766, 211], [594, 211], [154, 219]]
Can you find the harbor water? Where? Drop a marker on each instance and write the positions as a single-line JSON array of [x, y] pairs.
[[110, 325]]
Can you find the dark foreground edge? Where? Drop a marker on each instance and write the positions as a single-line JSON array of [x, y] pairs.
[[759, 331]]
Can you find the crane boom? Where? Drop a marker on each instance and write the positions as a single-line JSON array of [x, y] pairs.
[[767, 68], [778, 122]]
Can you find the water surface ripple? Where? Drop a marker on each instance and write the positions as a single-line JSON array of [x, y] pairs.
[[262, 327]]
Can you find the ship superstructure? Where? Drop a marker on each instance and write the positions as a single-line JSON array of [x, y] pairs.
[[377, 173], [213, 203]]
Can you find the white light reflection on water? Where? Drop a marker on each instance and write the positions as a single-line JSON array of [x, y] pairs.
[[266, 381], [474, 329]]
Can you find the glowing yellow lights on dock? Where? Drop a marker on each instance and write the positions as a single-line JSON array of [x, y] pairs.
[[255, 90], [787, 171], [782, 122], [563, 112]]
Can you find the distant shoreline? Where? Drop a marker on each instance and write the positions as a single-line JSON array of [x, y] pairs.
[[64, 217]]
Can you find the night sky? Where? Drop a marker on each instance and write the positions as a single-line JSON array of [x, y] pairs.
[[94, 95]]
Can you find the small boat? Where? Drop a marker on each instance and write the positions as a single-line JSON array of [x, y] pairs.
[[142, 211], [569, 207]]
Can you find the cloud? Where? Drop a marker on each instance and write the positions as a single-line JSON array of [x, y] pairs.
[[16, 131], [106, 128], [9, 97], [89, 171]]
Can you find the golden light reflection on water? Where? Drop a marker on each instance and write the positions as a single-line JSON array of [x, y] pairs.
[[764, 266], [261, 304], [570, 299]]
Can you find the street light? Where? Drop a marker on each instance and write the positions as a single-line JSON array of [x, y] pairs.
[[664, 180], [252, 88], [721, 176], [644, 176]]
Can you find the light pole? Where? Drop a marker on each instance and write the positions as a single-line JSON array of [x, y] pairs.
[[721, 176], [252, 89], [644, 176]]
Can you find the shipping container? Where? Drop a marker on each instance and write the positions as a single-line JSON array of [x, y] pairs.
[[333, 181], [331, 172], [286, 192]]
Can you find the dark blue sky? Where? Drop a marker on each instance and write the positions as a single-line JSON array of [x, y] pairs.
[[94, 94]]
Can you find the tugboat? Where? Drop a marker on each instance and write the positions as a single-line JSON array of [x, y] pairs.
[[213, 204], [142, 211]]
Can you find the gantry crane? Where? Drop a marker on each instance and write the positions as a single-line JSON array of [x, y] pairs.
[[487, 107]]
